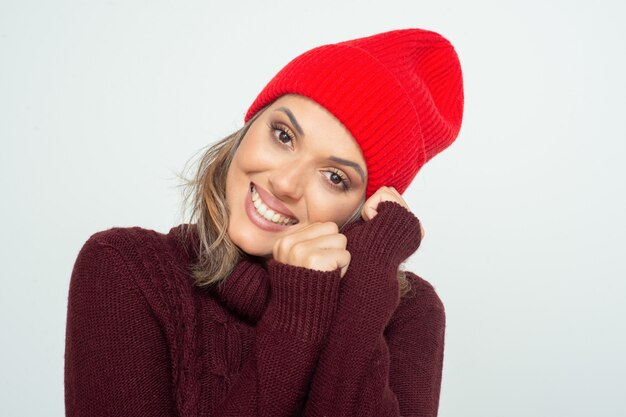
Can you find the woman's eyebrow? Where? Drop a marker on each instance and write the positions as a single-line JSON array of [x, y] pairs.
[[354, 165], [342, 161], [292, 118]]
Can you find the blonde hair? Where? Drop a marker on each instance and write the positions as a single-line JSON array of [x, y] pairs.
[[204, 197]]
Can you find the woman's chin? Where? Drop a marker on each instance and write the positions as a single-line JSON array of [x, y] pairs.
[[255, 251], [261, 258]]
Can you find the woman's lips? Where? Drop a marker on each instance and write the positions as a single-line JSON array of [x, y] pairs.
[[272, 202], [259, 220]]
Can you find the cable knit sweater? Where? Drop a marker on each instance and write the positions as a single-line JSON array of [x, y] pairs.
[[271, 340]]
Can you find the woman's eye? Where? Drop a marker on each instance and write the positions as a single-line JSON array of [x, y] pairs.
[[283, 136], [281, 133], [337, 180]]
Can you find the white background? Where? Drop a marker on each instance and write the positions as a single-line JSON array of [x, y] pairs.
[[102, 102]]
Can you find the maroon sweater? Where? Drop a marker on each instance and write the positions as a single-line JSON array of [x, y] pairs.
[[273, 340]]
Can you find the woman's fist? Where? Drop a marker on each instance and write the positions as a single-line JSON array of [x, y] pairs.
[[318, 246], [369, 210]]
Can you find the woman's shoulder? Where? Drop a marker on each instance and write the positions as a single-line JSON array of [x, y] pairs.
[[419, 284], [118, 250], [421, 298], [140, 242], [145, 256], [133, 263], [124, 236]]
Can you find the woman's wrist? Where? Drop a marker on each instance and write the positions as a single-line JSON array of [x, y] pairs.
[[303, 300], [390, 237]]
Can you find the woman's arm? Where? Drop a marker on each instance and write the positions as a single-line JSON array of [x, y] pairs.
[[290, 334], [116, 356], [354, 375], [415, 338]]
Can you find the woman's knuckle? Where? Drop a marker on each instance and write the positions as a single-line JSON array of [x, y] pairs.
[[314, 258], [298, 249]]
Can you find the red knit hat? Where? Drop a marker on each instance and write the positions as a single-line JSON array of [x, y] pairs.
[[399, 93]]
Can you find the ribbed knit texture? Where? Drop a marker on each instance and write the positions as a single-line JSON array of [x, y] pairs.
[[400, 94], [275, 340]]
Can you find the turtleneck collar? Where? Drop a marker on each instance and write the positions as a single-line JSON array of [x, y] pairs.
[[245, 291]]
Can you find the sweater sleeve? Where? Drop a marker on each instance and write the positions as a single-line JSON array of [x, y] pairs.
[[116, 357], [290, 335], [415, 338], [370, 367]]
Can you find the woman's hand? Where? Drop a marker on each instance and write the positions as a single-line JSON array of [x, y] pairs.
[[369, 210], [317, 246]]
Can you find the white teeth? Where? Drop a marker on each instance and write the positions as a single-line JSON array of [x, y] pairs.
[[267, 212]]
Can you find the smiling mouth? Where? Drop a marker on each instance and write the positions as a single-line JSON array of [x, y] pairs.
[[267, 212]]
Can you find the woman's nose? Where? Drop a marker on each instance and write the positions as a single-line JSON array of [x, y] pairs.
[[288, 180]]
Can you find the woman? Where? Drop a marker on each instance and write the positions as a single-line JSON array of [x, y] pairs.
[[285, 297]]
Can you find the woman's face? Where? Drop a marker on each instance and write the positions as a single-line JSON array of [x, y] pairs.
[[299, 165]]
